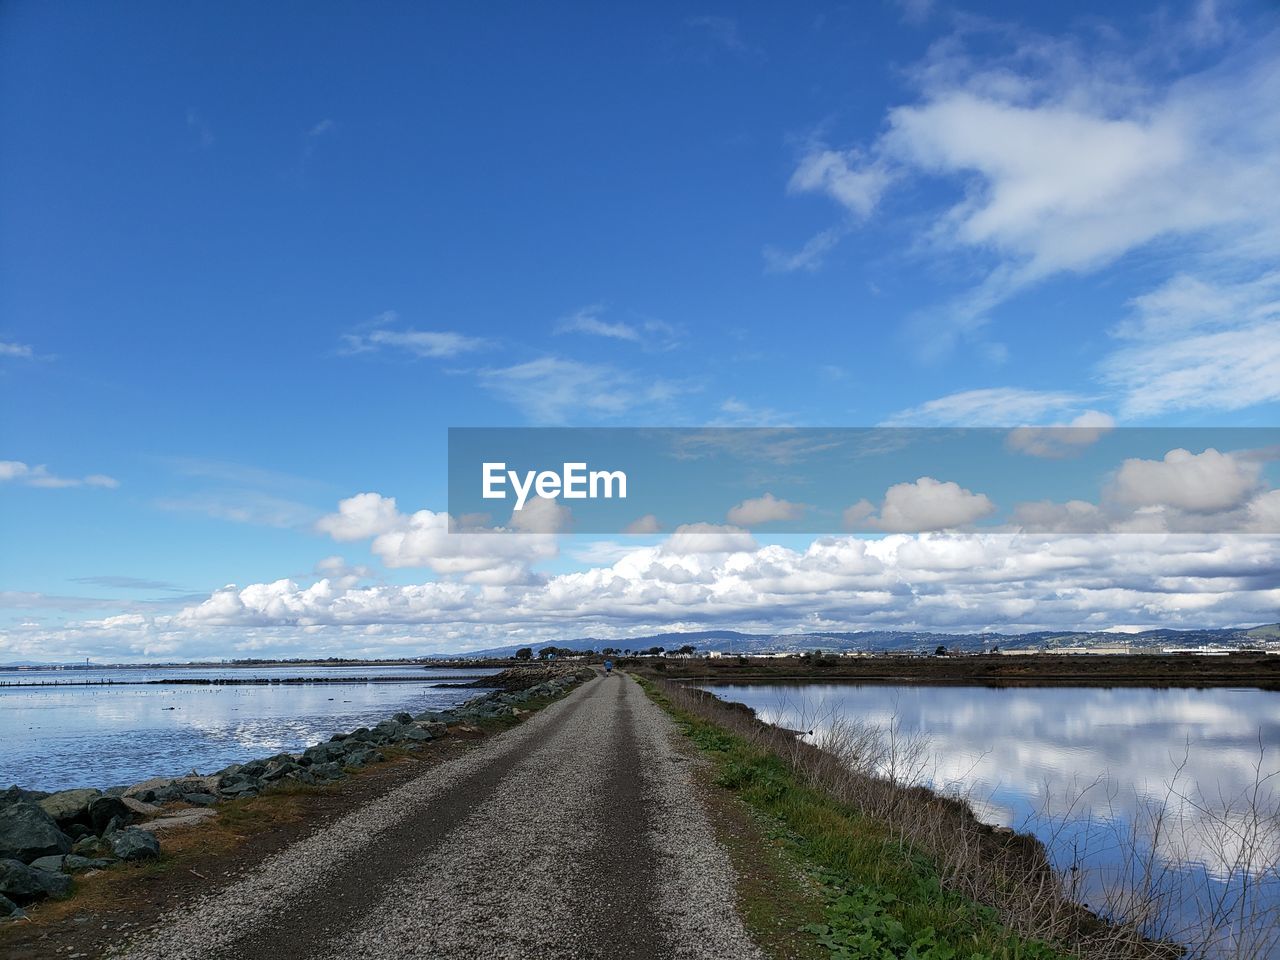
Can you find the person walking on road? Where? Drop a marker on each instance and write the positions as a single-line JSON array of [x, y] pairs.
[[608, 667]]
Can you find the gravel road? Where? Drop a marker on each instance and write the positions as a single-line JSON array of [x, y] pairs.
[[578, 833]]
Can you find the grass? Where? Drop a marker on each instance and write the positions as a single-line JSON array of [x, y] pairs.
[[881, 898]]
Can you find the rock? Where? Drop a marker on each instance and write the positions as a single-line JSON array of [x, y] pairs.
[[133, 844], [90, 847], [435, 728], [106, 810], [68, 805], [27, 832], [360, 758], [178, 819], [417, 733], [239, 785], [200, 799], [326, 771], [325, 752], [402, 718], [23, 883], [279, 769], [140, 790], [16, 793], [301, 776], [10, 910], [361, 733], [71, 863], [140, 809]]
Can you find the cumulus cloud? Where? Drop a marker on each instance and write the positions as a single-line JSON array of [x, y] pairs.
[[11, 349], [424, 539], [1061, 440], [696, 538], [765, 509], [1207, 482], [925, 505], [362, 517], [15, 471], [646, 524], [961, 582]]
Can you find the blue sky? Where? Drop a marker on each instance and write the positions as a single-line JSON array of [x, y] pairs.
[[255, 261]]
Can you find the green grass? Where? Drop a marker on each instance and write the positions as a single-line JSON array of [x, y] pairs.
[[883, 900]]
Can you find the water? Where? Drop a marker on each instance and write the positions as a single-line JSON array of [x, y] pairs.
[[1086, 770], [77, 735]]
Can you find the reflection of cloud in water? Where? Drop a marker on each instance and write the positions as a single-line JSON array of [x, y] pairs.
[[1029, 755]]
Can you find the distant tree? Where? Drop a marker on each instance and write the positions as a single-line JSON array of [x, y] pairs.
[[546, 653], [941, 651], [686, 650], [524, 653]]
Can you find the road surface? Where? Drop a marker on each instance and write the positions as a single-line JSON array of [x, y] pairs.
[[578, 833]]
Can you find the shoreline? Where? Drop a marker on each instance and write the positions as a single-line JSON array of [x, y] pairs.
[[1260, 671]]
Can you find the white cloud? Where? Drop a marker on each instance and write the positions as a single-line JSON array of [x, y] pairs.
[[641, 525], [1198, 344], [588, 320], [542, 515], [765, 509], [554, 390], [15, 471], [243, 506], [809, 257], [922, 506], [430, 344], [1207, 482], [988, 407], [362, 517], [1061, 440], [9, 349], [697, 538], [960, 582], [423, 539], [1065, 155]]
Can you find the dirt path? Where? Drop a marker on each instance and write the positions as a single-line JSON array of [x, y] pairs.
[[577, 834]]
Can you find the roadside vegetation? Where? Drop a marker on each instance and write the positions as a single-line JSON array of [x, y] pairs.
[[905, 873]]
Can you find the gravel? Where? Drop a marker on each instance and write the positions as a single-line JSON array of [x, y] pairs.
[[575, 834]]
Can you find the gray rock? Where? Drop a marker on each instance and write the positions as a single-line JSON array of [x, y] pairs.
[[71, 863], [402, 718], [16, 793], [23, 884], [68, 805], [417, 734], [90, 847], [107, 810], [326, 771], [133, 844], [27, 832], [10, 910], [200, 799], [278, 770], [301, 776], [360, 758], [325, 752]]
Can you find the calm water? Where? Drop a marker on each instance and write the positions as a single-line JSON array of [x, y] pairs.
[[1082, 768], [56, 737]]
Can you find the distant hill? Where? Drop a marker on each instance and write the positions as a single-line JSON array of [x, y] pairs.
[[732, 641]]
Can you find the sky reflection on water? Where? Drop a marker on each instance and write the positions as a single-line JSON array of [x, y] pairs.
[[1083, 768], [54, 738]]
